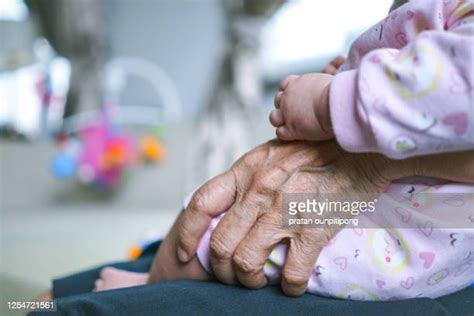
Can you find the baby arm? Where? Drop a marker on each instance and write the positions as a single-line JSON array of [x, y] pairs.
[[412, 98], [415, 100]]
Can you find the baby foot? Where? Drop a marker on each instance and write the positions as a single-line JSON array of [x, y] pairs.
[[302, 108], [112, 278]]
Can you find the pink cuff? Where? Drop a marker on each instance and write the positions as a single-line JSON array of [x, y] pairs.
[[352, 133]]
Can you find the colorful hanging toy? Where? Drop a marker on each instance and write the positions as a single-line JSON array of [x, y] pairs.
[[99, 153], [96, 149], [152, 149]]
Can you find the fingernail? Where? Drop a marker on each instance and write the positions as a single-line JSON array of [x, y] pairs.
[[182, 255]]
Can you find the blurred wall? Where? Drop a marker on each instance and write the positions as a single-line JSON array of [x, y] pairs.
[[16, 37], [184, 37]]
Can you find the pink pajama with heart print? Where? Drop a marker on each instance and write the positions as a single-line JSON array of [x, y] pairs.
[[423, 254], [406, 89]]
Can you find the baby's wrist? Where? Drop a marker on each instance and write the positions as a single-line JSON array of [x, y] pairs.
[[322, 111]]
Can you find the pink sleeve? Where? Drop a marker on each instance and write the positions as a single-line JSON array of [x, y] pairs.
[[415, 96]]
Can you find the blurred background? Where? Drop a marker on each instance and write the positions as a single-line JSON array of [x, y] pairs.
[[111, 111]]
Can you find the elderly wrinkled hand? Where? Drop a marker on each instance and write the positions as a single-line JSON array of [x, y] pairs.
[[250, 194]]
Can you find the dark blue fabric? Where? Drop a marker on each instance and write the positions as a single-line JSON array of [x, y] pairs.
[[83, 282], [210, 298]]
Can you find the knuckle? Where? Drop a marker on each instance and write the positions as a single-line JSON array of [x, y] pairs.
[[294, 278], [199, 201], [268, 180], [247, 217], [257, 203], [251, 159], [272, 222], [247, 160], [244, 264], [218, 248], [260, 177]]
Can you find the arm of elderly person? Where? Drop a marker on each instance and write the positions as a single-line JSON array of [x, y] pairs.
[[251, 193]]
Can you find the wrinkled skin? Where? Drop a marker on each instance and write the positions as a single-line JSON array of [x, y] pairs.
[[251, 193]]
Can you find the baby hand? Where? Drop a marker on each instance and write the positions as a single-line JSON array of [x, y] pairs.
[[302, 108]]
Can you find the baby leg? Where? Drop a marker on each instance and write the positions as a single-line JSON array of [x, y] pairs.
[[112, 278]]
